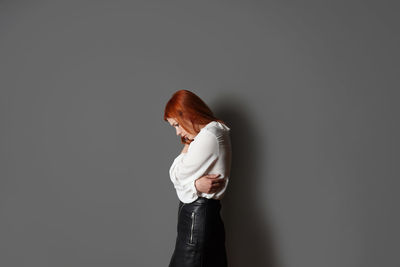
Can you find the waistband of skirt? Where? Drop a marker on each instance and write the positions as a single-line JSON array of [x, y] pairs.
[[203, 200]]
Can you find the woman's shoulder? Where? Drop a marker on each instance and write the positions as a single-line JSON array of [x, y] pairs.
[[212, 136], [217, 128], [214, 129]]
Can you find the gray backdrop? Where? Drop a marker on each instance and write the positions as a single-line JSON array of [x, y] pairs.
[[309, 88]]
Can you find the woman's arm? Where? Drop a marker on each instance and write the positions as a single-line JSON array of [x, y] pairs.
[[208, 183], [194, 164]]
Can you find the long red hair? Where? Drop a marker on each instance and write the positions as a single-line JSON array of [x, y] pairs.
[[189, 111]]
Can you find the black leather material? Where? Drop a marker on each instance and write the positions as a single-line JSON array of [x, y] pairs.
[[201, 235]]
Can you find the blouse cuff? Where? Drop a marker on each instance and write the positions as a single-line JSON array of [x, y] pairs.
[[194, 189]]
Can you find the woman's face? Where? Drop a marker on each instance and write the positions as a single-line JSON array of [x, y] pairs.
[[179, 129]]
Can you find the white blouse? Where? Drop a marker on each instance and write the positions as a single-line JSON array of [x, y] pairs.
[[209, 153]]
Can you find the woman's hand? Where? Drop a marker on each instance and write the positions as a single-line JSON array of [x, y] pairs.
[[185, 148], [209, 183]]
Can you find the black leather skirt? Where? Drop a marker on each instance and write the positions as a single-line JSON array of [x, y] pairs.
[[201, 235]]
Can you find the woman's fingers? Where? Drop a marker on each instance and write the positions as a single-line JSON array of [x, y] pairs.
[[217, 185], [218, 181], [216, 188], [212, 176]]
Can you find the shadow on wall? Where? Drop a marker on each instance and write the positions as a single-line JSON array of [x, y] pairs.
[[249, 237]]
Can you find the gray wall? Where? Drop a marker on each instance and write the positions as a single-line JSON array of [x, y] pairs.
[[309, 88]]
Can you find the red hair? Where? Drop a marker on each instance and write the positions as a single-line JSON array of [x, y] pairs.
[[189, 111]]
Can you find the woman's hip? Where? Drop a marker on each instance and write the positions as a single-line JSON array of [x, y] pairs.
[[201, 203], [200, 222], [203, 209], [201, 235]]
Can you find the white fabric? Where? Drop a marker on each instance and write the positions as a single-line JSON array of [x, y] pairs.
[[209, 153]]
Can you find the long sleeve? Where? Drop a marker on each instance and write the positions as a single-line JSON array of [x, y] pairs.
[[187, 167]]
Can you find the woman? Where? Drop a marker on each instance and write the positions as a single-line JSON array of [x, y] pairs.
[[200, 175]]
